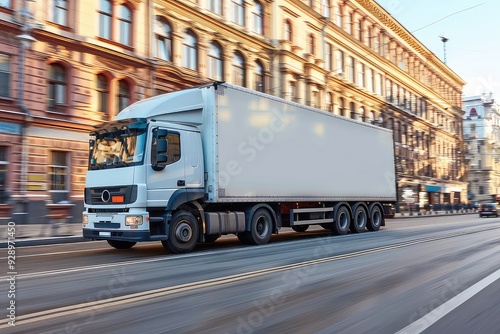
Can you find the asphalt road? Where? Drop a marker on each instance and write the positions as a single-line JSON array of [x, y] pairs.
[[429, 275]]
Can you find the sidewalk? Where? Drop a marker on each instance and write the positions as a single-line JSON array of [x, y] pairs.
[[43, 234]]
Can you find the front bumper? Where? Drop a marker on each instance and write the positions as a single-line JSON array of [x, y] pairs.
[[116, 235]]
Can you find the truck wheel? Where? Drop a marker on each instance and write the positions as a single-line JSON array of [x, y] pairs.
[[261, 228], [359, 219], [300, 228], [376, 218], [342, 221], [183, 233], [121, 244]]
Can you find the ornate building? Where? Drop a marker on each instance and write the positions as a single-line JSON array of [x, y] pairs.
[[67, 65], [482, 140]]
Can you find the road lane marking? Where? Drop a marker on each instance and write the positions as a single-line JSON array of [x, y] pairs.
[[432, 317]]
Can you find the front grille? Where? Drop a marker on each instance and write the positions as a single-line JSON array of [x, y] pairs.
[[103, 195]]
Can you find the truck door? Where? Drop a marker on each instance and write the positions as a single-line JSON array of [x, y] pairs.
[[163, 183]]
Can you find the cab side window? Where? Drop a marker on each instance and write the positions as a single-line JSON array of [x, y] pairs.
[[174, 147]]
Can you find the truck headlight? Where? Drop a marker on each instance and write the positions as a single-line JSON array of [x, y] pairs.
[[85, 219], [133, 220]]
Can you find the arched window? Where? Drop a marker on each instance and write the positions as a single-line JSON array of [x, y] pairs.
[[190, 51], [215, 64], [287, 31], [102, 93], [239, 69], [105, 16], [258, 18], [125, 20], [163, 39], [123, 97], [238, 7], [371, 117], [259, 77], [57, 87]]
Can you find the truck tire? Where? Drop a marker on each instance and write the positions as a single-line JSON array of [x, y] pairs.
[[342, 221], [300, 228], [261, 228], [359, 218], [183, 233], [121, 244], [375, 219]]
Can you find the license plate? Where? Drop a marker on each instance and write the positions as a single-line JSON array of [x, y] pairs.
[[104, 234]]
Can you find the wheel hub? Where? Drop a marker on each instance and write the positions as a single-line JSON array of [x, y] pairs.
[[183, 232]]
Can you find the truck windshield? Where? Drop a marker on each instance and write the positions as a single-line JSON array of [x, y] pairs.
[[117, 145]]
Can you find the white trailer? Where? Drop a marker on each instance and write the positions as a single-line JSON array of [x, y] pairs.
[[195, 164]]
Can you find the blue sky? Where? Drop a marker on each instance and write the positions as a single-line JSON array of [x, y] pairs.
[[471, 26]]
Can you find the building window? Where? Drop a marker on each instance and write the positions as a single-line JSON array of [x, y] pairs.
[[4, 75], [125, 25], [329, 102], [215, 64], [60, 12], [163, 40], [311, 44], [328, 56], [361, 74], [238, 12], [190, 50], [350, 68], [348, 23], [102, 93], [59, 171], [370, 84], [215, 6], [338, 15], [339, 62], [287, 31], [57, 87], [258, 18], [123, 97], [293, 91], [341, 107], [259, 77], [105, 15], [239, 69], [325, 8]]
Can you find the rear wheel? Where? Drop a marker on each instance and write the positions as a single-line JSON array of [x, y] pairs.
[[300, 228], [261, 228], [183, 233], [342, 221], [118, 244], [376, 218], [359, 219]]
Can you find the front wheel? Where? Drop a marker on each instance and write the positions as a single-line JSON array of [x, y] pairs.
[[121, 244], [183, 233]]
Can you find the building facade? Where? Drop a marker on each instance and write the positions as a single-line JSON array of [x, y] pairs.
[[68, 65], [482, 141]]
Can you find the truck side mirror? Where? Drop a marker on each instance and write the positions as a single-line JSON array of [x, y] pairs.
[[159, 149]]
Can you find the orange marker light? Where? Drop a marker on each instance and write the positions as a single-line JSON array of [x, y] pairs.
[[117, 199]]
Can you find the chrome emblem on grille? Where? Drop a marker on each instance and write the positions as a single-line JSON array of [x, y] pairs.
[[105, 196]]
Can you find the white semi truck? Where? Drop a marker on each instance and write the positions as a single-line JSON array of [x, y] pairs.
[[193, 165]]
